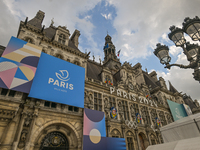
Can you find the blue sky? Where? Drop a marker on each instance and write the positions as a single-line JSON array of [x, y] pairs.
[[135, 27]]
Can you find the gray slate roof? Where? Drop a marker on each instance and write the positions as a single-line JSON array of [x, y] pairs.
[[94, 70]]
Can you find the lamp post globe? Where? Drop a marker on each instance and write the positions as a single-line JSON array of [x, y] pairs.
[[192, 27], [177, 36], [192, 50], [162, 52]]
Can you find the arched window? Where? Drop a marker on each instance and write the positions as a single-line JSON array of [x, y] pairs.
[[129, 140], [62, 39], [55, 140], [143, 141], [109, 51], [115, 133], [113, 51]]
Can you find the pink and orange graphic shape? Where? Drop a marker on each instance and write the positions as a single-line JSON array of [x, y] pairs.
[[18, 65]]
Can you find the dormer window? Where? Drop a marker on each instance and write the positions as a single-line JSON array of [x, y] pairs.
[[62, 39]]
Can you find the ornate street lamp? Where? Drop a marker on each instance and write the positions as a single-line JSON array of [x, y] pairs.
[[162, 52], [192, 27], [192, 51]]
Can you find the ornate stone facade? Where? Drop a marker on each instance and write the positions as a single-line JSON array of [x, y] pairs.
[[34, 124]]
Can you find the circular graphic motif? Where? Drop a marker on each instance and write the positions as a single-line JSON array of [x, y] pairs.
[[95, 136]]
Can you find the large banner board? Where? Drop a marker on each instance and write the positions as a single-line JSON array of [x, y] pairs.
[[24, 68], [59, 81], [18, 65], [177, 110], [94, 133]]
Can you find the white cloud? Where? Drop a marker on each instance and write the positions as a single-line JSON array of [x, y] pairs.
[[107, 16], [173, 50], [165, 37], [87, 17], [182, 79], [151, 20], [63, 12]]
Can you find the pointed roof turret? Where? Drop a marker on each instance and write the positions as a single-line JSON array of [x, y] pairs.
[[109, 49], [110, 57], [108, 39], [37, 20], [171, 88]]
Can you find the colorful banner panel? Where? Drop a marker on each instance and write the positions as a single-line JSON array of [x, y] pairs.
[[187, 109], [18, 65], [94, 133], [177, 110], [58, 81]]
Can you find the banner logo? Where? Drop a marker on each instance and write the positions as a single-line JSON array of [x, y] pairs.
[[63, 76]]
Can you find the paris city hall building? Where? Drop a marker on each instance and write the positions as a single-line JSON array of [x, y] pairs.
[[35, 124]]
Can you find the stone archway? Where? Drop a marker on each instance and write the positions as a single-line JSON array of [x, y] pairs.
[[65, 130], [115, 133], [143, 141], [55, 141]]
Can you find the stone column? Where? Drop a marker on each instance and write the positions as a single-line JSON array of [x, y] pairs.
[[27, 143], [159, 140], [166, 118], [138, 140], [14, 120], [123, 130], [108, 127], [19, 130], [150, 121]]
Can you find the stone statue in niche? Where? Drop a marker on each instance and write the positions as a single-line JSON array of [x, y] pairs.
[[132, 112], [106, 104], [160, 98], [22, 139]]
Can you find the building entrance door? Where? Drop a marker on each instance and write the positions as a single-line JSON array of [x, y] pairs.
[[54, 141], [141, 142]]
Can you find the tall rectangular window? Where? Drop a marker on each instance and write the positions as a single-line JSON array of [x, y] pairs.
[[125, 110], [134, 109], [97, 101], [130, 143], [112, 102]]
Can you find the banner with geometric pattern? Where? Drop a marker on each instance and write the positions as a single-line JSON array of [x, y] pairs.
[[18, 65]]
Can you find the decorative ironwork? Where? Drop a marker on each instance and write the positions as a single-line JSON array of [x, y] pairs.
[[54, 141]]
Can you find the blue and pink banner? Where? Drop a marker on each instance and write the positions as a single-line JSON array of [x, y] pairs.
[[18, 65], [94, 133], [24, 68]]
